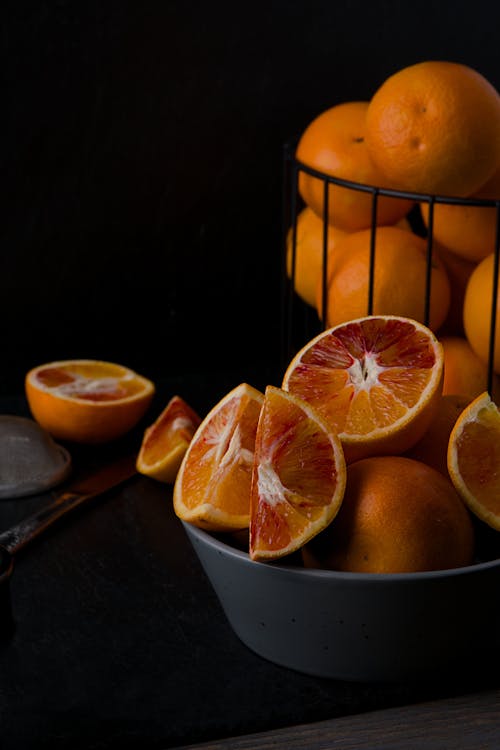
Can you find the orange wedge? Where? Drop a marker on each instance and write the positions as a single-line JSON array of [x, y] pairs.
[[86, 400], [474, 459], [166, 441], [212, 488], [376, 380], [298, 478]]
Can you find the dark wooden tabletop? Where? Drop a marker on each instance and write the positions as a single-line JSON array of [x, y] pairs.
[[463, 723]]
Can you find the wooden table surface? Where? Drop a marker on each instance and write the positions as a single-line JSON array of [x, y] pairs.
[[469, 721]]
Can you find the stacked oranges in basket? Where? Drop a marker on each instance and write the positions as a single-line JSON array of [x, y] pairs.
[[382, 442]]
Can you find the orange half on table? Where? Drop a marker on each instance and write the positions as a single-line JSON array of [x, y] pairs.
[[86, 400], [298, 479], [474, 459], [166, 441], [212, 488], [376, 380]]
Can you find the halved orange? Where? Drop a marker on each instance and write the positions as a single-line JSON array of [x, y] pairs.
[[212, 488], [298, 478], [166, 441], [86, 400], [474, 459], [377, 381]]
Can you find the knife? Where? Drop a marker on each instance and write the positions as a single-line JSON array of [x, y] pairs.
[[77, 493]]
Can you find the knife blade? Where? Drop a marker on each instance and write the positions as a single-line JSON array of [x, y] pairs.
[[76, 493]]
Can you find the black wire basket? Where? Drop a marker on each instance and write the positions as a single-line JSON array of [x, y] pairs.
[[300, 321]]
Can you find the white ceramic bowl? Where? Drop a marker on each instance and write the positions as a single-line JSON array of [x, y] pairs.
[[361, 627]]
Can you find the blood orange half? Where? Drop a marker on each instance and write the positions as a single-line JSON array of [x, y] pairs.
[[376, 380], [298, 477], [86, 400]]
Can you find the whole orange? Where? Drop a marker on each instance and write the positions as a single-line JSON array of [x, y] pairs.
[[469, 231], [478, 305], [334, 144], [399, 278], [434, 127], [432, 448], [458, 270], [309, 252], [464, 372], [397, 516]]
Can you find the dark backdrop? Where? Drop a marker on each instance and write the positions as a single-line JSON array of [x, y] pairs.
[[141, 164]]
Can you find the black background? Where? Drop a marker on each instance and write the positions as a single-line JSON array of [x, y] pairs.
[[142, 155], [140, 221]]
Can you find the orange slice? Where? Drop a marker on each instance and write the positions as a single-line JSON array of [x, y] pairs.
[[298, 478], [376, 380], [166, 441], [212, 489], [86, 400], [474, 459]]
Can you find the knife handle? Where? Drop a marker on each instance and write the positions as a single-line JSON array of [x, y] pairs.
[[18, 536]]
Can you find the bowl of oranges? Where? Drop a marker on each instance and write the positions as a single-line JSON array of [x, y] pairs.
[[348, 515], [335, 550]]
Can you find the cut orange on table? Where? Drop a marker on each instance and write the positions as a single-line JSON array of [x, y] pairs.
[[474, 459], [212, 488], [166, 441], [87, 401], [298, 477], [376, 380]]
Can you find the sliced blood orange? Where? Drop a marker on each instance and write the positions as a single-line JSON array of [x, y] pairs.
[[212, 488], [298, 477], [86, 400], [166, 441], [377, 381], [474, 459]]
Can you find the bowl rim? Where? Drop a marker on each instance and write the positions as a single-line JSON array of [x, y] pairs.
[[208, 539]]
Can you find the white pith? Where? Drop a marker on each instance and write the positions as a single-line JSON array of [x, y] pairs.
[[226, 448], [364, 374], [269, 484]]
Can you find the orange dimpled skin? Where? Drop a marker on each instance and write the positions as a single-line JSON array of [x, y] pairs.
[[334, 144], [468, 231], [477, 312], [307, 266], [434, 127], [398, 516], [399, 278]]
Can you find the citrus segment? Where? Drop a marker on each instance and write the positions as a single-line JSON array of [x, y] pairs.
[[376, 380], [474, 459], [166, 441], [212, 488], [398, 516], [298, 477], [87, 401]]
